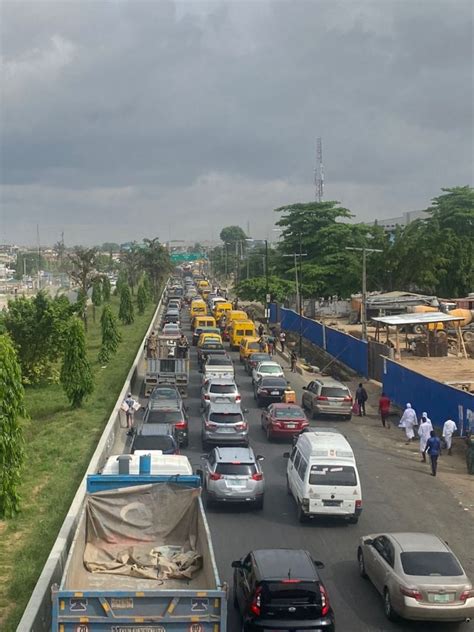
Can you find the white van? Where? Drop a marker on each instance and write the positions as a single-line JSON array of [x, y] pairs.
[[322, 476]]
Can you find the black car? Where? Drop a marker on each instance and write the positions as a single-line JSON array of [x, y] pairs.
[[269, 389], [253, 359], [156, 437], [158, 412], [280, 589]]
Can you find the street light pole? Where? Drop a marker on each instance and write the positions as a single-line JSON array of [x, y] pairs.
[[298, 295], [363, 311]]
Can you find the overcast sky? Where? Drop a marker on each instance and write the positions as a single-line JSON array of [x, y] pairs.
[[121, 120]]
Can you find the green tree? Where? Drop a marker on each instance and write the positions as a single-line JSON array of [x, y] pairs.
[[255, 289], [126, 314], [83, 270], [147, 285], [155, 261], [232, 234], [11, 435], [29, 263], [37, 328], [106, 288], [142, 299], [132, 262], [110, 334], [76, 372], [96, 297], [121, 282]]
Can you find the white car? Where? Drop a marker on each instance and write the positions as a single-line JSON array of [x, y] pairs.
[[264, 369], [172, 329]]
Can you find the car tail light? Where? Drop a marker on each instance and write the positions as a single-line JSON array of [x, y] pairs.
[[291, 581], [215, 476], [258, 476], [358, 504], [322, 398], [238, 398], [466, 594], [325, 605], [348, 399], [209, 425], [207, 397], [263, 391], [241, 426], [180, 425], [411, 592], [255, 606]]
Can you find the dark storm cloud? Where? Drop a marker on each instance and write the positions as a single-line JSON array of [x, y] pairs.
[[115, 108]]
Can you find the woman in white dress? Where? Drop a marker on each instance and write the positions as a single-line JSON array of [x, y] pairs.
[[409, 421]]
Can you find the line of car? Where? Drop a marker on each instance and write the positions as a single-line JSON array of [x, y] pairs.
[[418, 575]]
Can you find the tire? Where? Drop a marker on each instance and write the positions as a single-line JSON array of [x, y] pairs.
[[269, 434], [234, 600], [360, 560], [259, 504], [353, 520], [259, 401], [185, 443], [303, 405], [314, 414], [348, 417], [300, 514], [209, 501], [387, 606], [288, 488], [205, 447]]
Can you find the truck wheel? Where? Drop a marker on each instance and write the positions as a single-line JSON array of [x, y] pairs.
[[300, 514]]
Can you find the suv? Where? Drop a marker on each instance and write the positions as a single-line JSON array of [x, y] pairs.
[[224, 424], [169, 413], [223, 390], [156, 437], [233, 475], [280, 589], [327, 397]]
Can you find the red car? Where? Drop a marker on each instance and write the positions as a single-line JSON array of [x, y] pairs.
[[283, 420]]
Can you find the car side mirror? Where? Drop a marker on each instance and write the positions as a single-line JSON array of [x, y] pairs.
[[245, 410], [318, 564], [286, 455], [368, 541], [236, 564], [305, 388], [260, 457]]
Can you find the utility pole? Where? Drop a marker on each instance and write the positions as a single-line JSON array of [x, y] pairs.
[[298, 294], [267, 295], [363, 311]]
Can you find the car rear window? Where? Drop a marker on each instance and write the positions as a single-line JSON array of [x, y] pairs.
[[272, 382], [334, 391], [297, 593], [164, 416], [164, 393], [223, 388], [159, 442], [343, 475], [226, 418], [249, 332], [253, 345], [269, 369], [236, 469], [212, 345], [430, 563], [288, 413], [259, 357], [219, 361]]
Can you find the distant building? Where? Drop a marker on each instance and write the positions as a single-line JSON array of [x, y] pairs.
[[391, 224]]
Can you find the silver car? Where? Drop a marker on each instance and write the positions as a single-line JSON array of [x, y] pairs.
[[326, 396], [233, 475], [224, 424], [418, 576], [219, 390], [267, 369]]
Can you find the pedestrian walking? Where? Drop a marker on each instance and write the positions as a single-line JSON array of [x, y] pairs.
[[361, 398], [424, 432], [261, 330], [408, 421], [433, 447], [282, 338], [384, 410], [129, 405], [271, 345], [449, 428], [262, 343], [470, 453], [152, 345], [293, 359]]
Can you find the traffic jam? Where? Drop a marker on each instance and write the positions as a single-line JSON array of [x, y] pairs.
[[216, 391]]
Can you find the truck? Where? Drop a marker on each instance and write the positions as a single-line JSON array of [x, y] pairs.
[[166, 367], [142, 558]]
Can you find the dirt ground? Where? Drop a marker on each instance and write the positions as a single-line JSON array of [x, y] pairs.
[[447, 369]]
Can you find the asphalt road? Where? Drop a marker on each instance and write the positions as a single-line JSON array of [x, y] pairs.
[[395, 498]]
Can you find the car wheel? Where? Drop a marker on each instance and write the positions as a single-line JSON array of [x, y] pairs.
[[259, 402], [259, 503], [353, 520], [348, 417], [300, 514], [314, 414], [288, 488], [269, 434], [387, 606], [185, 443], [235, 600], [204, 445], [303, 405], [360, 560], [209, 501]]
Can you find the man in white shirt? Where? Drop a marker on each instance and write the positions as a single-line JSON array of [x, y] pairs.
[[449, 429]]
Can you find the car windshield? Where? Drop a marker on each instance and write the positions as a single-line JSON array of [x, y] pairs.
[[288, 413], [334, 391], [157, 442], [343, 475], [223, 388], [236, 469], [269, 368], [226, 418], [164, 416], [430, 563]]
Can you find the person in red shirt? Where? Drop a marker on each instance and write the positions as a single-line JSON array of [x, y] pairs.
[[384, 409]]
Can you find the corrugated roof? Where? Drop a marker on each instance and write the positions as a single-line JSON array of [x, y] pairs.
[[417, 319]]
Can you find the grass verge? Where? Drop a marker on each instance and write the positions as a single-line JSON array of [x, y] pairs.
[[59, 444]]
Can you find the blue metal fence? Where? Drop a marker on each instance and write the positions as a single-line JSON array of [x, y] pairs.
[[439, 400], [346, 348]]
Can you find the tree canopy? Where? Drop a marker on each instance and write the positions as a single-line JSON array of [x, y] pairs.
[[232, 234]]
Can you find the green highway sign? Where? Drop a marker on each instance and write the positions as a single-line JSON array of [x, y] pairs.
[[180, 257]]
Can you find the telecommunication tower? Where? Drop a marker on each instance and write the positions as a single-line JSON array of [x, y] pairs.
[[319, 171]]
